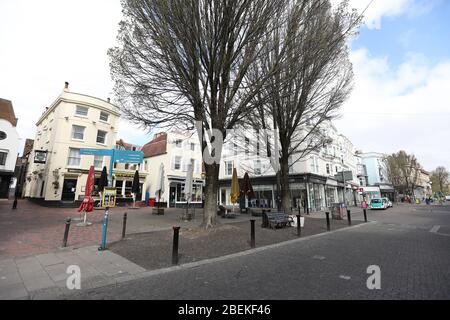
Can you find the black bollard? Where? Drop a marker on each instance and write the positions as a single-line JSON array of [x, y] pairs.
[[66, 232], [365, 215], [299, 227], [252, 233], [176, 231], [328, 221], [349, 217], [124, 225], [15, 203]]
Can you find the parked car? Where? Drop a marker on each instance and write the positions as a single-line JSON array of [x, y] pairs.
[[447, 198], [378, 203]]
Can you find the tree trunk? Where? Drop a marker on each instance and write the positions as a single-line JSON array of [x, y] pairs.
[[285, 190], [211, 189]]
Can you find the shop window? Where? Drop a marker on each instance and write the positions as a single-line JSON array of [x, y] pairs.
[[119, 185]]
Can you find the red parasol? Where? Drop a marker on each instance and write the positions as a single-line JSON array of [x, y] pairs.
[[88, 202]]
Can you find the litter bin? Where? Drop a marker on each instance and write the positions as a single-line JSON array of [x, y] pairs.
[[151, 202]]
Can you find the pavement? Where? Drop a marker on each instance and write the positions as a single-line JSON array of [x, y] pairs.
[[408, 242]]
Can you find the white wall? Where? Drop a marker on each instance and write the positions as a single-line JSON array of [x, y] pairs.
[[9, 145]]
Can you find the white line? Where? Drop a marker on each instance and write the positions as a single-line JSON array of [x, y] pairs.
[[435, 229]]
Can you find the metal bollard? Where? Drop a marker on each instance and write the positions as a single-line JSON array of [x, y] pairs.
[[66, 232], [124, 225], [328, 221], [15, 203], [365, 215], [176, 231], [252, 233], [349, 217], [299, 227], [104, 229]]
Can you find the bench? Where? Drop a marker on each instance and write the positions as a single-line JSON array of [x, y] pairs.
[[275, 220]]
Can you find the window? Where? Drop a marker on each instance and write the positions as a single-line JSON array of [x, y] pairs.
[[104, 116], [128, 187], [74, 158], [3, 156], [178, 143], [235, 149], [228, 168], [82, 111], [257, 148], [101, 137], [177, 163], [328, 169], [98, 161], [78, 132], [257, 167], [146, 165], [3, 135], [119, 185], [193, 146]]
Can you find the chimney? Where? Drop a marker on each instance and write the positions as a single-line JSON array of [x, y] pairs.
[[66, 86], [109, 100]]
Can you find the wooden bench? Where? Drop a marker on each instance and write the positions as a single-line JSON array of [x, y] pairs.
[[276, 220]]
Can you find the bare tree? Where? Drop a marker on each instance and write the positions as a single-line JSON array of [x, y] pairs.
[[314, 79], [185, 61], [440, 178], [403, 171]]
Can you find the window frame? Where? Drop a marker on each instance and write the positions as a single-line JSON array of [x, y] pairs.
[[104, 138], [107, 116], [81, 115], [78, 158], [73, 132], [3, 155]]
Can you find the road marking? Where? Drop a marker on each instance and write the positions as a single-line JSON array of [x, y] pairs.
[[319, 257], [435, 229], [345, 277]]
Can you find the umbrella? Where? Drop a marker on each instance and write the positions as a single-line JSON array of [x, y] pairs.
[[102, 183], [160, 183], [135, 187], [88, 202], [234, 195], [246, 188], [188, 186]]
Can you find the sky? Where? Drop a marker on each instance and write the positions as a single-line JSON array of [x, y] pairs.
[[401, 64]]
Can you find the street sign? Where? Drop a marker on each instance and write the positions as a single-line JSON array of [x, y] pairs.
[[95, 152], [126, 156], [109, 198], [40, 156], [348, 176]]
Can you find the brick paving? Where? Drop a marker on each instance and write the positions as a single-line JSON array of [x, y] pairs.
[[153, 250]]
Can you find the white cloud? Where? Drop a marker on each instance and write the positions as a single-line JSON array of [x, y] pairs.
[[389, 8], [404, 107], [47, 42]]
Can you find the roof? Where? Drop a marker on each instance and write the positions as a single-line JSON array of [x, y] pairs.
[[28, 147], [7, 112], [156, 147]]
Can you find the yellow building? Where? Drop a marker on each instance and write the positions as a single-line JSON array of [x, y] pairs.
[[57, 171]]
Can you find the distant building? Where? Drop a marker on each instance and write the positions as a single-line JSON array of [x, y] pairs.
[[22, 166], [423, 188], [175, 150], [376, 174], [57, 172], [9, 147]]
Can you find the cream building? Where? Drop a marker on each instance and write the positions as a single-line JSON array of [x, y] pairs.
[[314, 178], [175, 150], [73, 121]]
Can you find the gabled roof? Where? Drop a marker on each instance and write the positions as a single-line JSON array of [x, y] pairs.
[[7, 112], [156, 147]]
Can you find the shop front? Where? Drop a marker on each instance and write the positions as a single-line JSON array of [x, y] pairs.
[[123, 182], [177, 196]]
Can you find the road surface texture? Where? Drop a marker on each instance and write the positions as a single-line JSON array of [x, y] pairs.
[[410, 244]]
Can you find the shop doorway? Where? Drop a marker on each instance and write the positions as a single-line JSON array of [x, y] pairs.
[[69, 189]]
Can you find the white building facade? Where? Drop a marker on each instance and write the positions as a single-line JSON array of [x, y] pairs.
[[175, 151], [315, 180], [9, 147]]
